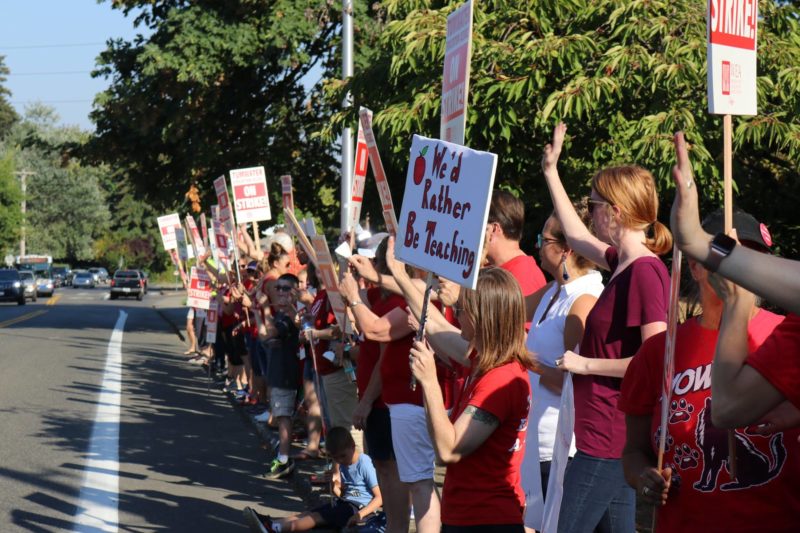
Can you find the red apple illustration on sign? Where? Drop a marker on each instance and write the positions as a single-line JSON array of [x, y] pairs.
[[419, 166]]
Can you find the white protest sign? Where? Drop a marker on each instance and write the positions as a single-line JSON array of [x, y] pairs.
[[359, 178], [212, 319], [287, 193], [455, 80], [166, 226], [220, 244], [197, 239], [387, 205], [180, 237], [326, 273], [199, 291], [224, 212], [445, 207], [731, 55], [250, 197]]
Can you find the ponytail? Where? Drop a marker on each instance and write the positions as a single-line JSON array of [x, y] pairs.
[[661, 241]]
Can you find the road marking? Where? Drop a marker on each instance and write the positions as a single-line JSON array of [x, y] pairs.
[[22, 318], [54, 299], [99, 497]]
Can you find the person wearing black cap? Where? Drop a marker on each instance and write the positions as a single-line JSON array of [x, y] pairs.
[[706, 500], [746, 388]]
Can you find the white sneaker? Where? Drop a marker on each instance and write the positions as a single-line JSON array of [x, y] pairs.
[[263, 417]]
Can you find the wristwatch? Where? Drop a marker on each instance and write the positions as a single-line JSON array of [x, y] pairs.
[[721, 247], [353, 305]]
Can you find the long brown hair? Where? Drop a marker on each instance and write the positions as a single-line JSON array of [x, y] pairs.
[[497, 310], [633, 190]]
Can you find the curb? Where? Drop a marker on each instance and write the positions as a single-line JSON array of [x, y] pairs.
[[172, 324]]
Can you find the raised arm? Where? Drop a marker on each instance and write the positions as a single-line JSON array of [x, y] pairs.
[[578, 235], [774, 278], [392, 326]]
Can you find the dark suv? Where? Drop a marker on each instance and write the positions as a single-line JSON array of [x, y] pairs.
[[11, 287], [127, 283]]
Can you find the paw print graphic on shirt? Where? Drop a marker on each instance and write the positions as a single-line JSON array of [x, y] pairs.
[[680, 411], [667, 444], [685, 457]]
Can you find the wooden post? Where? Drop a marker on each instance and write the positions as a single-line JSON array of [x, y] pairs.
[[669, 350]]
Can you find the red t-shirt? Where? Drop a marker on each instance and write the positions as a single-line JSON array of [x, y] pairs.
[[766, 496], [528, 275], [778, 359], [484, 487], [323, 318], [370, 351], [639, 295]]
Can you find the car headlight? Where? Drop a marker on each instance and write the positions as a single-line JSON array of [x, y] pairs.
[[17, 284]]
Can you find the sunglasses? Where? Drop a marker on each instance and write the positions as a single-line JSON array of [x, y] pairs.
[[283, 288], [593, 202], [541, 240]]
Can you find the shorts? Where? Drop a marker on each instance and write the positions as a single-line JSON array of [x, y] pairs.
[[337, 514], [378, 435], [282, 401], [412, 443], [258, 356]]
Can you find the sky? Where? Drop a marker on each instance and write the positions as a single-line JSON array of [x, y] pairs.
[[50, 46]]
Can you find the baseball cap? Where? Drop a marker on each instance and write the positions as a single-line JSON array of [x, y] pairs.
[[748, 229], [252, 265]]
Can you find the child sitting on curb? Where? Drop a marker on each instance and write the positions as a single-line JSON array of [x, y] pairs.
[[356, 488]]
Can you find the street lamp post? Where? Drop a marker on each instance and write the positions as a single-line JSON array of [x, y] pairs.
[[347, 136]]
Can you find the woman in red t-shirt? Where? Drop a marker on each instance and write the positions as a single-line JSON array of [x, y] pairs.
[[483, 441], [696, 489]]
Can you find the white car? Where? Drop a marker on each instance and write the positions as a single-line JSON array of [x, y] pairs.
[[44, 286]]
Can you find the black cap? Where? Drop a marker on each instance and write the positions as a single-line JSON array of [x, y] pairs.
[[748, 229]]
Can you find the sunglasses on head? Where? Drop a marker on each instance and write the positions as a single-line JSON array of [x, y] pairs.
[[593, 203]]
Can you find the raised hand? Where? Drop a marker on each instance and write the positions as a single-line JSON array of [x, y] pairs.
[[685, 216], [396, 267], [349, 287], [553, 150], [364, 267]]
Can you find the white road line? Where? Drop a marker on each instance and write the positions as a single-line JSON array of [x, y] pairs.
[[98, 509]]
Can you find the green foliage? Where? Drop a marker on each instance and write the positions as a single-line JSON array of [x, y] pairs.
[[217, 85], [7, 114], [10, 199], [624, 75]]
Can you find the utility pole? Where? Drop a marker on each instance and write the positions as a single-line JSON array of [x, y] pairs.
[[23, 175], [347, 135]]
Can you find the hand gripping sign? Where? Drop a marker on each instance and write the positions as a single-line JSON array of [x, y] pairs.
[[166, 226], [387, 205], [250, 197], [199, 289], [732, 26], [445, 207], [455, 79]]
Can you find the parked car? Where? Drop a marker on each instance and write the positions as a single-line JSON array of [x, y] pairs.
[[44, 285], [127, 283], [83, 279], [100, 274], [60, 275], [29, 281], [11, 287]]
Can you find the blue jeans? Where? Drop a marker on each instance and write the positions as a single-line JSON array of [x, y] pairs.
[[596, 497]]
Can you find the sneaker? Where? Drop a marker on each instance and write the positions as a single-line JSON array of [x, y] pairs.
[[278, 470], [263, 417], [258, 523]]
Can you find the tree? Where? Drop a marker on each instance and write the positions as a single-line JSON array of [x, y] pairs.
[[66, 207], [624, 74], [10, 199], [7, 114], [217, 85]]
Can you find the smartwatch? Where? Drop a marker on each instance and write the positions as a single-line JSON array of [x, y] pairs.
[[721, 247]]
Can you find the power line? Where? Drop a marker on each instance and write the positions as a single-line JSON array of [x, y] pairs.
[[64, 45], [62, 73]]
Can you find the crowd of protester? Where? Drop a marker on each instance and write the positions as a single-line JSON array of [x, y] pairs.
[[542, 399]]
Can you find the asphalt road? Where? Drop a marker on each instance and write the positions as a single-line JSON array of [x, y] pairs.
[[188, 461]]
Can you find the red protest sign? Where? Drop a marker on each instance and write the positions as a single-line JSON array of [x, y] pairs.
[[732, 57], [250, 198], [455, 80], [359, 177], [287, 193], [389, 216], [166, 226], [197, 239], [224, 203], [199, 289]]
